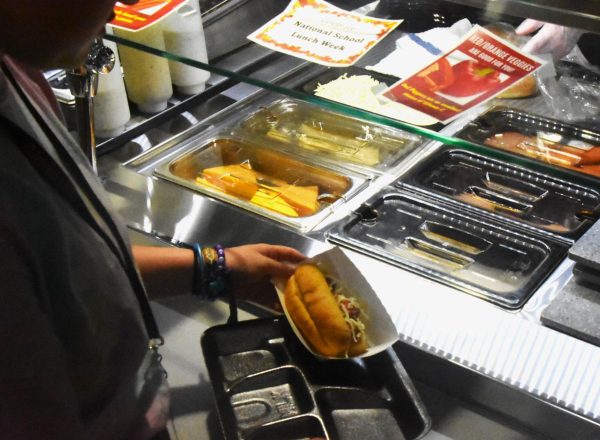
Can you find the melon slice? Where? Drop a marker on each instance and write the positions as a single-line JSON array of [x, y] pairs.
[[302, 198], [237, 180]]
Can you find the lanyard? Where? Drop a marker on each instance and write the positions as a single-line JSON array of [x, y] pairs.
[[70, 181]]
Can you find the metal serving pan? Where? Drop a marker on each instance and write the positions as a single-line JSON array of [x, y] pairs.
[[467, 252], [544, 139], [261, 180], [311, 131], [507, 191], [268, 386]]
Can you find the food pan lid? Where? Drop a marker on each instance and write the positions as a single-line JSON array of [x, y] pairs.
[[463, 250], [312, 131], [549, 141], [533, 199]]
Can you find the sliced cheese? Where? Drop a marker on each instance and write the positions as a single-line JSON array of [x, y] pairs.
[[353, 149]]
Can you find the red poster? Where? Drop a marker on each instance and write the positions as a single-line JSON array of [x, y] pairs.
[[480, 67], [143, 13]]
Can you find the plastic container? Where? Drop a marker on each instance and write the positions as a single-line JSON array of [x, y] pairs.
[[184, 36], [111, 107], [467, 252], [312, 131], [547, 140], [147, 77], [268, 386], [514, 193]]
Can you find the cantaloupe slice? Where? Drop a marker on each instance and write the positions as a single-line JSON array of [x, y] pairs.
[[237, 180], [302, 198], [272, 200]]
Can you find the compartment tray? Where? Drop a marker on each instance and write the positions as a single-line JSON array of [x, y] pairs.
[[267, 386]]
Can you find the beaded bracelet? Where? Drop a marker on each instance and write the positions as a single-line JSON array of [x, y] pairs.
[[216, 280], [211, 275]]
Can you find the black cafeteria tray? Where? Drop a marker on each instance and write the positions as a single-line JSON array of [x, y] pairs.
[[500, 120], [468, 252], [506, 191], [268, 386]]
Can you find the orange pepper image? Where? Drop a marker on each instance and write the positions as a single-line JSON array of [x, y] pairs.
[[437, 76], [470, 78]]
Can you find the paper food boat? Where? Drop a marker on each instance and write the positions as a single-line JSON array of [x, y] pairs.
[[380, 330]]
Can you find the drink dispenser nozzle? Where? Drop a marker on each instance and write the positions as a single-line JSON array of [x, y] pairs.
[[83, 82]]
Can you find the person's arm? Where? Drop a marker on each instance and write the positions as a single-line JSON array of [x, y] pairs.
[[166, 271], [169, 271]]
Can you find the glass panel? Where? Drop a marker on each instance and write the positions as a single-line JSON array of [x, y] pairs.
[[556, 131]]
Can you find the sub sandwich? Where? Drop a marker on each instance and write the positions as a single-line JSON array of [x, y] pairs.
[[329, 320]]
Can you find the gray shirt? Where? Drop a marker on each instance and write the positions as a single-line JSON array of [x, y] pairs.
[[75, 362]]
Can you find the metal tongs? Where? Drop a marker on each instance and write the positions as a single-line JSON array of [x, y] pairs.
[[83, 82]]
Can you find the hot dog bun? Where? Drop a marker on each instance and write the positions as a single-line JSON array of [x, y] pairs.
[[523, 89], [528, 85], [314, 310]]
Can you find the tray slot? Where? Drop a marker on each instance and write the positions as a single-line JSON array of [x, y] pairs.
[[244, 363], [239, 340], [269, 396], [297, 428], [513, 187], [492, 201], [355, 414], [437, 254], [454, 237], [339, 372]]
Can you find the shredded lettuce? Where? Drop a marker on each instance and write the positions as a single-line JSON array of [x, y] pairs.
[[351, 309]]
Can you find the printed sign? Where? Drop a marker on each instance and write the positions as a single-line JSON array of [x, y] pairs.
[[143, 13], [480, 67], [319, 32]]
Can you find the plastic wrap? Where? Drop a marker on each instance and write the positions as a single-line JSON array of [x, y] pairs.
[[310, 130]]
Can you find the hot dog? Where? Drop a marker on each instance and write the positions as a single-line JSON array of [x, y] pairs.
[[328, 320]]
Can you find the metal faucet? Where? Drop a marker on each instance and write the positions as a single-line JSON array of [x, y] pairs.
[[83, 82]]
